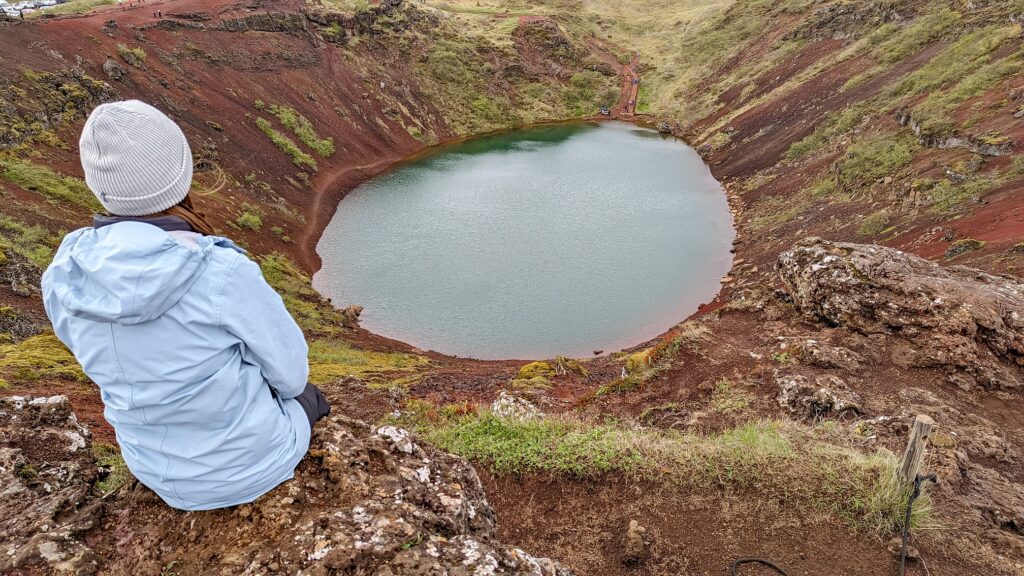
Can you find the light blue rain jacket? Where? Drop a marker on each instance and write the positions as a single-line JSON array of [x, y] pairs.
[[186, 341]]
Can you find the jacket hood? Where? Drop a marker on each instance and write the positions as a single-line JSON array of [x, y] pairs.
[[125, 273]]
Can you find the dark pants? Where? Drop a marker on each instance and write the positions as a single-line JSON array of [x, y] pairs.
[[313, 404]]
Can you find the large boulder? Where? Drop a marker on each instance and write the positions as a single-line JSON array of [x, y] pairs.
[[366, 500], [967, 322]]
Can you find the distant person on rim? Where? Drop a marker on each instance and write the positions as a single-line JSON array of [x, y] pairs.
[[201, 369]]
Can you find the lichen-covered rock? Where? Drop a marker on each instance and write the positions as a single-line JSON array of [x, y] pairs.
[[964, 321], [46, 479], [823, 355], [509, 406], [828, 396], [366, 500]]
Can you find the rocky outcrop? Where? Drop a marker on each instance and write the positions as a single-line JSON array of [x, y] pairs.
[[992, 145], [366, 500], [46, 480], [827, 396], [967, 322]]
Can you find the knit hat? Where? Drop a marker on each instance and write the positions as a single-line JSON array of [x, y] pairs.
[[136, 159]]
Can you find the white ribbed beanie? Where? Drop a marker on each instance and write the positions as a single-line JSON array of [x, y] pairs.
[[136, 159]]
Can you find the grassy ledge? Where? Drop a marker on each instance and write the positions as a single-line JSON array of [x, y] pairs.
[[782, 460]]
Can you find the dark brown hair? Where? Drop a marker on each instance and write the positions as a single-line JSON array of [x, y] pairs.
[[187, 212]]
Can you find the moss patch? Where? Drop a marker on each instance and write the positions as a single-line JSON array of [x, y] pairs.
[[963, 247], [57, 188], [332, 360], [39, 357]]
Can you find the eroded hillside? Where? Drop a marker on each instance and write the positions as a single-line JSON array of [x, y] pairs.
[[768, 424]]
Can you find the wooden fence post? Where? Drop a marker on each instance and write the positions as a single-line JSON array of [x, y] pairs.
[[915, 447]]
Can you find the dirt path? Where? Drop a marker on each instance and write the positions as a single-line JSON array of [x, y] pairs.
[[603, 49]]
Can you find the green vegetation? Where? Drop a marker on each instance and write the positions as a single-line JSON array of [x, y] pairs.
[[535, 369], [774, 211], [305, 304], [933, 114], [37, 358], [133, 56], [647, 364], [303, 128], [287, 145], [109, 457], [963, 246], [332, 360], [74, 7], [779, 460], [42, 180], [892, 44], [34, 243], [588, 91], [958, 61], [836, 124], [874, 224], [250, 218], [874, 157], [728, 398]]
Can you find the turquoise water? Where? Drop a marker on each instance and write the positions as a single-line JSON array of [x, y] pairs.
[[554, 240]]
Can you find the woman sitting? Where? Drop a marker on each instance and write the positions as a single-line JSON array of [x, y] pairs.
[[201, 369]]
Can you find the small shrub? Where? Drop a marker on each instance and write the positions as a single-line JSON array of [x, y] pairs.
[[133, 56], [874, 224], [250, 218]]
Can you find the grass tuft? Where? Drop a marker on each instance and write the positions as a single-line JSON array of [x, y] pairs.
[[780, 460]]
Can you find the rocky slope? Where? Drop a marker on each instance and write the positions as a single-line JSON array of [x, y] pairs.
[[367, 500]]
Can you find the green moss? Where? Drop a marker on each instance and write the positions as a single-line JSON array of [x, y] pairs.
[[34, 243], [963, 246], [332, 360], [44, 181], [286, 145], [39, 357], [133, 56], [534, 369], [303, 128]]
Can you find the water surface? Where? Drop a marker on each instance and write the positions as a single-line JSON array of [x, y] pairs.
[[554, 240]]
